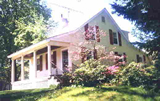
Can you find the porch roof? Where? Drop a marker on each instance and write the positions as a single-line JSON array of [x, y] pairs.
[[37, 46]]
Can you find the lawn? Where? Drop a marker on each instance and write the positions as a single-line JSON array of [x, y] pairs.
[[120, 93]]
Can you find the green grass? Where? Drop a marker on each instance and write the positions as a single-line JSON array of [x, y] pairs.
[[120, 93]]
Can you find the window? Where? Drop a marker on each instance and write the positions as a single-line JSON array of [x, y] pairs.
[[92, 33], [116, 53], [139, 59], [115, 41], [89, 55], [65, 59], [103, 19], [39, 63], [54, 59]]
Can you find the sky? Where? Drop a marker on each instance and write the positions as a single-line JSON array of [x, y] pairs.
[[85, 9]]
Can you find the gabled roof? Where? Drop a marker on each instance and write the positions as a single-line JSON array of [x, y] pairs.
[[71, 31]]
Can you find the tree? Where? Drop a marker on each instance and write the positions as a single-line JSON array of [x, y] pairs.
[[17, 18], [145, 15], [89, 48]]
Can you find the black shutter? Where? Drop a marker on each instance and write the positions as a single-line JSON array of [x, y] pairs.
[[95, 54], [119, 37], [41, 64], [138, 59], [111, 36], [86, 31], [144, 58], [97, 34], [86, 27], [116, 53], [83, 54], [46, 61]]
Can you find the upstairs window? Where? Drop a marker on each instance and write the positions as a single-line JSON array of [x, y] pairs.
[[115, 41], [92, 33], [115, 38], [103, 19], [139, 59]]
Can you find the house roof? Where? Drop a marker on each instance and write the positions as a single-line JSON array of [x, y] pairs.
[[75, 28], [34, 47]]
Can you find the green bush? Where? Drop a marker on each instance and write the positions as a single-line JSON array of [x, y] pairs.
[[137, 74], [90, 73], [66, 79]]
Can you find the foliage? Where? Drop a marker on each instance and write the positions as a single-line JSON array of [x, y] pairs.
[[145, 15], [137, 74], [66, 79], [90, 73], [118, 93], [30, 32], [17, 18]]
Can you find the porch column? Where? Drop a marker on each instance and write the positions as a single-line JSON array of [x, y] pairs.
[[49, 60], [34, 65], [13, 71], [22, 68]]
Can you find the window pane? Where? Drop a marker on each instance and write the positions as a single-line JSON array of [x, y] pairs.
[[115, 38], [65, 59], [103, 19]]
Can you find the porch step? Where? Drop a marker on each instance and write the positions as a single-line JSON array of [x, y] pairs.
[[53, 81]]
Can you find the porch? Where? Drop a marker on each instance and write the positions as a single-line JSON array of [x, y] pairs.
[[45, 60]]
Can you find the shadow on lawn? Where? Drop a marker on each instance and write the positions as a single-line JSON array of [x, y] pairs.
[[28, 95], [121, 90]]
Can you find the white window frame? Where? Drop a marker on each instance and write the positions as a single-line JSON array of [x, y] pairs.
[[102, 19], [116, 37]]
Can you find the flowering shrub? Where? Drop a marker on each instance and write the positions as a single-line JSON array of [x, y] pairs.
[[90, 73], [112, 70], [137, 74]]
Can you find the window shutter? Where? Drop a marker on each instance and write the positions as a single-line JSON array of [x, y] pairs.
[[86, 31], [144, 58], [111, 36], [116, 53], [97, 34], [119, 37], [137, 58], [86, 27], [125, 57], [95, 54], [83, 54], [46, 61], [97, 29], [55, 59], [41, 64]]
